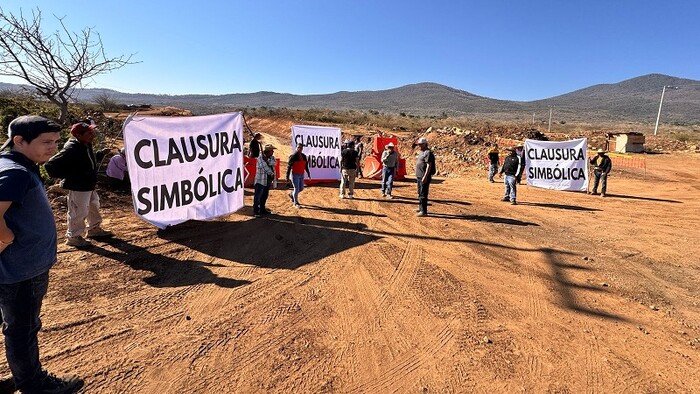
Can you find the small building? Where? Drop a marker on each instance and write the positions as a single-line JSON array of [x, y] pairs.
[[629, 142]]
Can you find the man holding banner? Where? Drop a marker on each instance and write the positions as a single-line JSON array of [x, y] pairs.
[[603, 166]]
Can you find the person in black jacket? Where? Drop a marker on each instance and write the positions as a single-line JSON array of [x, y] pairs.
[[603, 166], [513, 168], [255, 146], [77, 165]]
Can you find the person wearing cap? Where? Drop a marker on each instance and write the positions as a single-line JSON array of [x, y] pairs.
[[390, 159], [425, 169], [513, 168], [27, 251], [255, 146], [297, 165], [603, 166], [77, 165], [264, 177], [493, 161], [349, 161]]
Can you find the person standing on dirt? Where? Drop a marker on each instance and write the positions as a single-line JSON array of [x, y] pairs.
[[348, 166], [360, 148], [512, 167], [603, 166], [493, 162], [255, 146], [264, 177], [390, 159], [27, 251], [425, 169], [77, 165], [297, 165]]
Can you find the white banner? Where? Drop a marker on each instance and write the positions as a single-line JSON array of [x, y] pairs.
[[184, 168], [558, 165], [321, 147]]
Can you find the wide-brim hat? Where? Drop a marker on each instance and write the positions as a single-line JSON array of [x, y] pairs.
[[601, 151], [268, 147], [422, 140]]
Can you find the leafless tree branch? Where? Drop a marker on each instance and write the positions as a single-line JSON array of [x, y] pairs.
[[53, 64]]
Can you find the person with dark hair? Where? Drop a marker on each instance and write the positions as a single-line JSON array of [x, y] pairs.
[[297, 165], [603, 166], [27, 251], [493, 162], [348, 168], [513, 168], [360, 148], [425, 169], [77, 165], [255, 146]]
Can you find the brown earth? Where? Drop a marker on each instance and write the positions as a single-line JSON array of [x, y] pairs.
[[564, 293]]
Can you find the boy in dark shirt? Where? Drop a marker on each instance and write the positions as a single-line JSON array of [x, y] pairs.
[[27, 251]]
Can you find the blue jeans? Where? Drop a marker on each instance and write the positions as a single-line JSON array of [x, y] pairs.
[[423, 190], [387, 180], [260, 198], [20, 304], [493, 169], [510, 184], [298, 183]]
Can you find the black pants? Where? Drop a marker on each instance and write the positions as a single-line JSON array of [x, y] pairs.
[[260, 198], [423, 190], [600, 176], [20, 304]]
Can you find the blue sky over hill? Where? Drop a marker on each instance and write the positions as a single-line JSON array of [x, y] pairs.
[[500, 49]]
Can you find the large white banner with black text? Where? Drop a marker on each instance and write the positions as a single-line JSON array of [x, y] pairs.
[[322, 149], [558, 165], [184, 168]]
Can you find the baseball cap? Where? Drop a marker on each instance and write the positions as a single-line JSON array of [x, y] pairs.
[[422, 140], [29, 127], [268, 147], [81, 128]]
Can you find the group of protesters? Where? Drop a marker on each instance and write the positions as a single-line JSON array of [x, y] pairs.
[[513, 167]]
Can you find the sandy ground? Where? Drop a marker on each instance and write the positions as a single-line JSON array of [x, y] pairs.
[[564, 293]]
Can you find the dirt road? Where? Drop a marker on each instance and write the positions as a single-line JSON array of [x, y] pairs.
[[562, 293]]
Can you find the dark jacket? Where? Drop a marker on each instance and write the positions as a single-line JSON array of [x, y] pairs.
[[512, 166], [76, 164], [293, 159], [254, 148], [602, 163]]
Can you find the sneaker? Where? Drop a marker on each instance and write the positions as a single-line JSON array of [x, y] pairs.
[[602, 194], [506, 199], [342, 196], [77, 242], [513, 203], [297, 206], [99, 232], [390, 196], [350, 196], [418, 210], [66, 384], [421, 213], [383, 194]]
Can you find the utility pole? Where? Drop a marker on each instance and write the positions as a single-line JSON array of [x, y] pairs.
[[549, 128], [658, 116], [533, 119]]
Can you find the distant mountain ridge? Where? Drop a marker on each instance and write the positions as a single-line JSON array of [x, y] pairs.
[[635, 99]]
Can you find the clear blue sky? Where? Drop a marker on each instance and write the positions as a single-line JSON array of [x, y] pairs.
[[512, 50]]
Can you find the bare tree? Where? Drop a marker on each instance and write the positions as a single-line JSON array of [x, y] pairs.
[[53, 64]]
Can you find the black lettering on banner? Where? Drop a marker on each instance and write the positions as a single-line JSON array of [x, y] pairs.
[[570, 154], [184, 192], [187, 149], [137, 154], [560, 174]]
